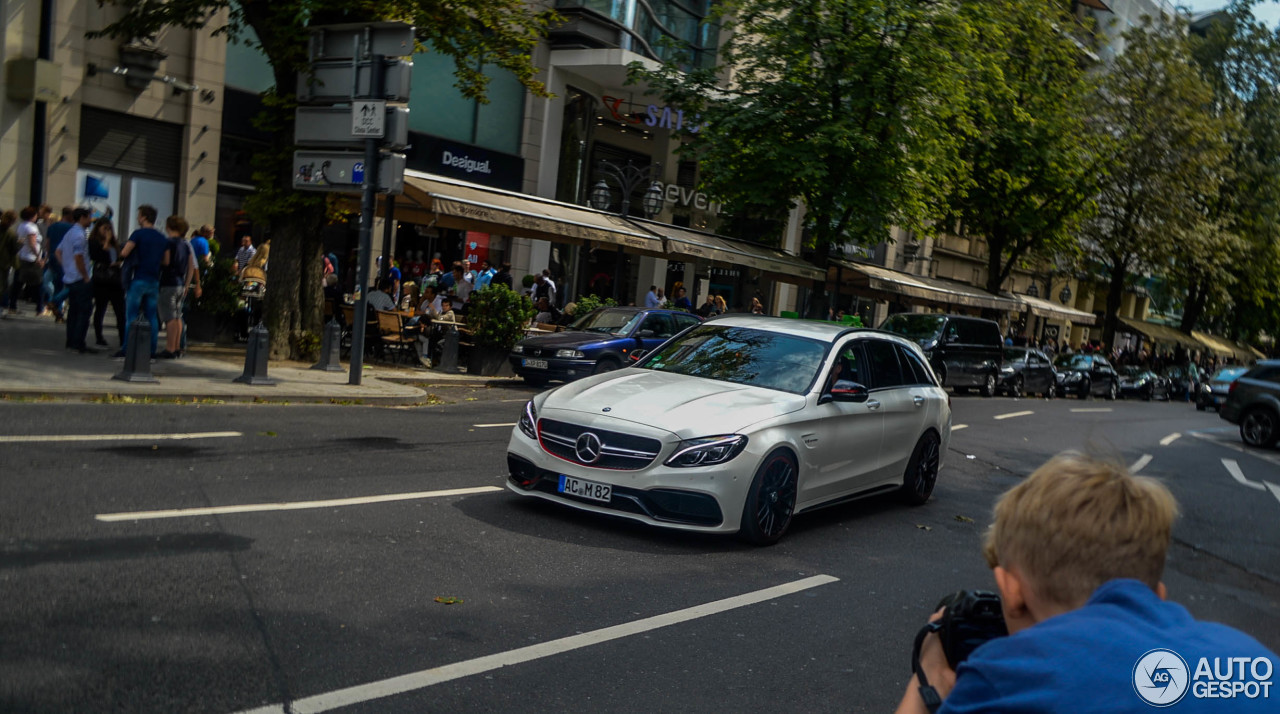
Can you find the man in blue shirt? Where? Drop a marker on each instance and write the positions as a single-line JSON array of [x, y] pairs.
[[53, 269], [1078, 552], [148, 250], [200, 245], [73, 254], [485, 276]]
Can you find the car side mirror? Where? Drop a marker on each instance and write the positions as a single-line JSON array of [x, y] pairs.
[[637, 355], [646, 334], [847, 391]]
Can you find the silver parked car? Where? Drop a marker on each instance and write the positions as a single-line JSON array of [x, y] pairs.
[[737, 425]]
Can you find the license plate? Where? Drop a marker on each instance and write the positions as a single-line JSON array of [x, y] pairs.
[[534, 363], [585, 489]]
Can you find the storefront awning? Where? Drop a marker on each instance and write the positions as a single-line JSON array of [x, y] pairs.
[[1162, 333], [682, 243], [449, 203], [1226, 348], [1045, 308], [930, 290]]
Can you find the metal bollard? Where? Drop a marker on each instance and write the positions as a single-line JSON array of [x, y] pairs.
[[330, 343], [137, 354], [449, 351], [255, 358]]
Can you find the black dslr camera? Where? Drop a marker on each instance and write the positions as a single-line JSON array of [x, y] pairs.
[[971, 618]]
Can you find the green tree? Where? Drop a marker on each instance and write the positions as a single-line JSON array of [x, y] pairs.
[[499, 33], [1240, 57], [1035, 157], [849, 106], [1169, 158]]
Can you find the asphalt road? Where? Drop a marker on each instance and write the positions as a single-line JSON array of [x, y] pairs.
[[333, 603]]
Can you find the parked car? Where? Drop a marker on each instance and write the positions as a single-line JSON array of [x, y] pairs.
[[964, 351], [737, 425], [1027, 371], [1183, 381], [1253, 402], [1142, 383], [600, 341], [1214, 392], [1086, 375]]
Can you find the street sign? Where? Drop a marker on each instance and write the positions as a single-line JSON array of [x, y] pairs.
[[332, 82], [330, 128], [393, 39], [343, 171], [368, 118]]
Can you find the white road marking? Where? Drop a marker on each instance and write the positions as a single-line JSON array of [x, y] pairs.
[[1207, 435], [1233, 468], [1011, 415], [1170, 439], [293, 506], [513, 400], [117, 437], [958, 427], [445, 673], [1101, 410], [1274, 489], [1140, 464], [487, 426]]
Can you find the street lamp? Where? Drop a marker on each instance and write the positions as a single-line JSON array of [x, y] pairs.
[[1065, 295], [1033, 291], [628, 178]]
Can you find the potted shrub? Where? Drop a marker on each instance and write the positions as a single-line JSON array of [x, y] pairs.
[[497, 317]]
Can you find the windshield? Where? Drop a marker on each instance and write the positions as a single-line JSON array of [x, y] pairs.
[[610, 322], [1014, 355], [1074, 361], [918, 327], [742, 355]]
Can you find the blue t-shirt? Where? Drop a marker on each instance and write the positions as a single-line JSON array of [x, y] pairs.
[[149, 248], [53, 238], [1087, 660], [200, 245]]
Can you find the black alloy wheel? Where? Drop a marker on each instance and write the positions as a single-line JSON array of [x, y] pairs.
[[1150, 393], [922, 470], [605, 364], [771, 501], [1260, 427], [1015, 388], [1113, 391], [1086, 389], [1051, 391], [989, 386]]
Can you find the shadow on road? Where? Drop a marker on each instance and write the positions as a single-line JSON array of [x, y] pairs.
[[23, 554]]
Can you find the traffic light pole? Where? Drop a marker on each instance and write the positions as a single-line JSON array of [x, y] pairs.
[[368, 209]]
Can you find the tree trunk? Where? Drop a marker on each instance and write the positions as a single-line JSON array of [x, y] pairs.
[[1194, 307], [1115, 292], [294, 282], [995, 258]]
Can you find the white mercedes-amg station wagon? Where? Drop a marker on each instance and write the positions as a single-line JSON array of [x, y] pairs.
[[738, 424]]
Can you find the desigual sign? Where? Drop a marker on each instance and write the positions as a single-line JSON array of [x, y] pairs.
[[466, 163]]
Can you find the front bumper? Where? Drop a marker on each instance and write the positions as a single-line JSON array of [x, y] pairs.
[[557, 367], [706, 499]]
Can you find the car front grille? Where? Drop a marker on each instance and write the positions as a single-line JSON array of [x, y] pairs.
[[618, 451]]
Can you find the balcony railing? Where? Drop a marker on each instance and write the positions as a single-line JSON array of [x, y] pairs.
[[664, 30]]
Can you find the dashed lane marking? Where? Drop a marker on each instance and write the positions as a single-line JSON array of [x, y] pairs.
[[1100, 410], [489, 426], [430, 677], [1233, 468], [117, 437], [1208, 435], [1170, 439], [958, 427], [1011, 415], [1140, 464], [293, 506]]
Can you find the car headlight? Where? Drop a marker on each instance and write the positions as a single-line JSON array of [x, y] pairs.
[[518, 349], [570, 354], [529, 421], [1006, 370], [707, 450]]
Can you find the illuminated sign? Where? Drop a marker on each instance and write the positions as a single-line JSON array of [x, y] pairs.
[[654, 115]]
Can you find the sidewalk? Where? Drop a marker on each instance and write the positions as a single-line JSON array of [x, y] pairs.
[[33, 363]]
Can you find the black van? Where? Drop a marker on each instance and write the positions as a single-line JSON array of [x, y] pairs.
[[964, 351]]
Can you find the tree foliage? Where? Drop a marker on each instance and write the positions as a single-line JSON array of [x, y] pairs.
[[849, 106], [1169, 160], [1035, 157], [475, 34]]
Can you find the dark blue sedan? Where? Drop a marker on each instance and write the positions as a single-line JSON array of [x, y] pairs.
[[600, 341]]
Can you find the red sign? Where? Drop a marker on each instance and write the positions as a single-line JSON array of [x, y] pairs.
[[476, 247]]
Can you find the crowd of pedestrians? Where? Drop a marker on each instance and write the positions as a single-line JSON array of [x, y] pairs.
[[76, 268]]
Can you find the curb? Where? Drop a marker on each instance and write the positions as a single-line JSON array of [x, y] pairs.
[[45, 396]]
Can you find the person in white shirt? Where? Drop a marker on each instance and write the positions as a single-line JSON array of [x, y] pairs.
[[551, 285], [380, 299], [651, 299], [461, 284], [30, 267]]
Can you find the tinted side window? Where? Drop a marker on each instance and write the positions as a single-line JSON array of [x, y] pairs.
[[1266, 374], [853, 367], [683, 321], [968, 334], [913, 369], [661, 324], [991, 334], [883, 359]]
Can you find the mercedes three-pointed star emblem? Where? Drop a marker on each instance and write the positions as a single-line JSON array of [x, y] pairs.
[[588, 447]]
